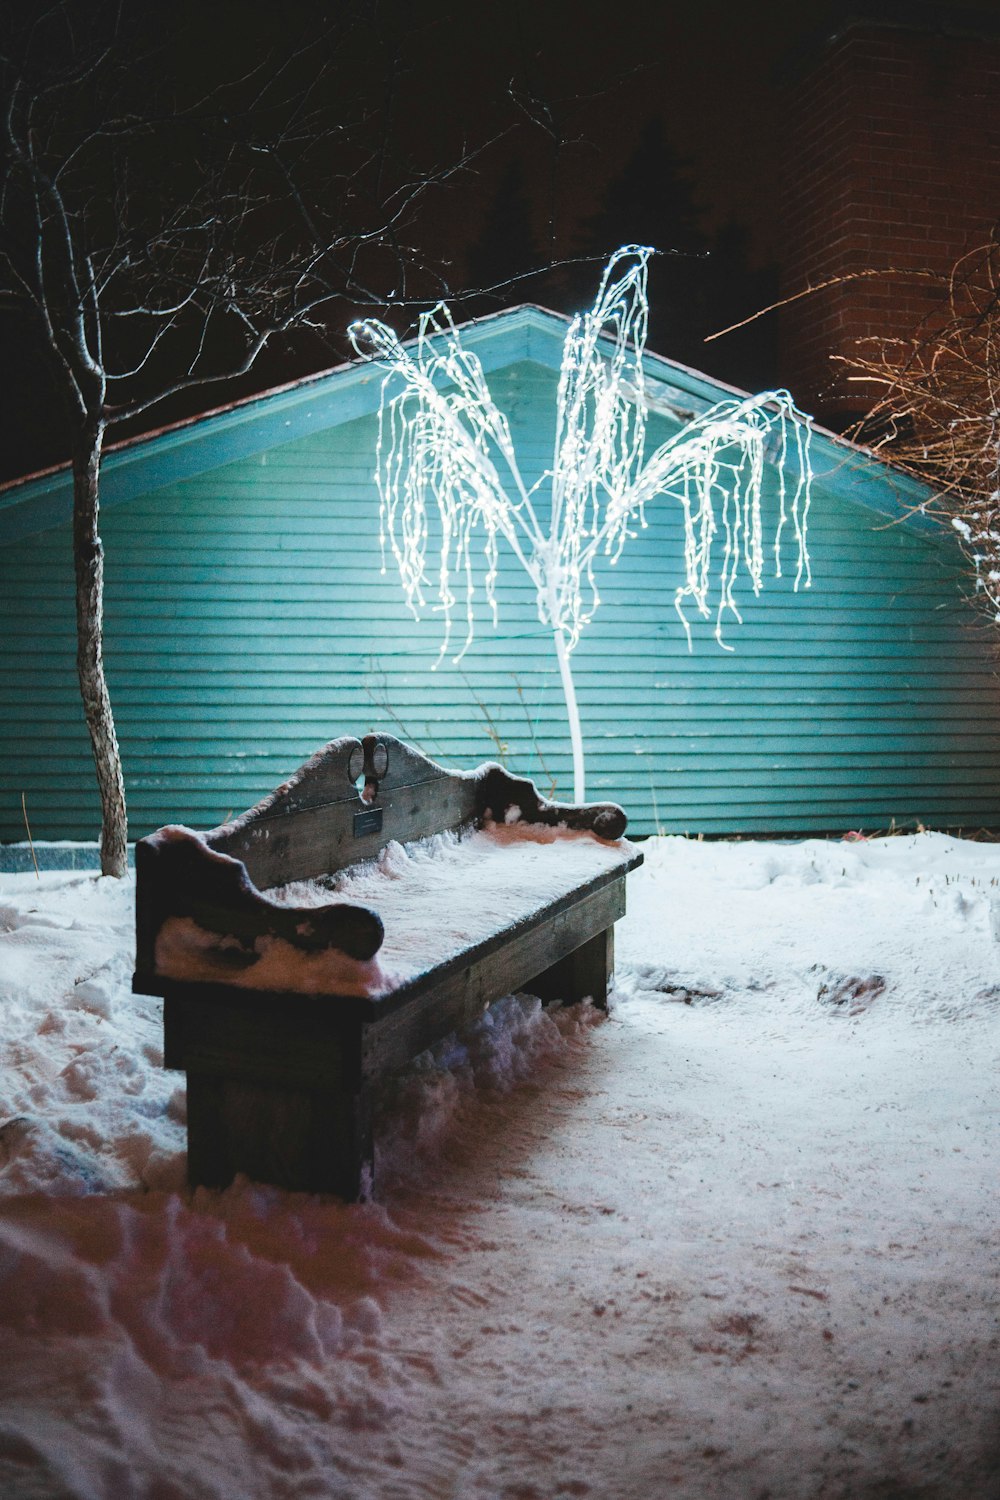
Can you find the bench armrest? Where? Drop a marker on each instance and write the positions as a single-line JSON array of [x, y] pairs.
[[179, 875], [506, 798]]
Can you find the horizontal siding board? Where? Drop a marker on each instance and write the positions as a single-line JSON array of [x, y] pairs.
[[222, 637], [673, 756], [605, 644], [743, 740], [249, 620], [214, 726], [213, 685], [313, 586], [208, 786]]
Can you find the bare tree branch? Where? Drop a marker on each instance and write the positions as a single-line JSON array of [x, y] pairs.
[[936, 412], [161, 233]]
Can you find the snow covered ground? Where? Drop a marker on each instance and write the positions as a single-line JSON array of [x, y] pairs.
[[740, 1240]]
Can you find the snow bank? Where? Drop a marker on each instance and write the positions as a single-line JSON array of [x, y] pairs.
[[740, 1239], [777, 928], [85, 1105]]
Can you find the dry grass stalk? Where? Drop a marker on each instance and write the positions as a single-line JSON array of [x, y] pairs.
[[31, 842]]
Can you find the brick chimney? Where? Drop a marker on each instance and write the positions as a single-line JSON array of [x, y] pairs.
[[892, 160]]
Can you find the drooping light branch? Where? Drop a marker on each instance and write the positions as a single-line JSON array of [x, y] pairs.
[[444, 447]]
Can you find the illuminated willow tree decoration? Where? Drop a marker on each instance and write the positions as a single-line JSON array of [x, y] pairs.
[[445, 447]]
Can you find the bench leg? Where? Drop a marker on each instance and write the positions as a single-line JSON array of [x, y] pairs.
[[307, 1140], [583, 974]]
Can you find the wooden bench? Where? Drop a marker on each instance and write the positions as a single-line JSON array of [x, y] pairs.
[[287, 1008]]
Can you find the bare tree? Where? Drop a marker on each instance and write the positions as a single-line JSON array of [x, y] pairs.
[[156, 236], [936, 411]]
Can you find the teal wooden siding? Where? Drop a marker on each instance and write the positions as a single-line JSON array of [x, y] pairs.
[[248, 621]]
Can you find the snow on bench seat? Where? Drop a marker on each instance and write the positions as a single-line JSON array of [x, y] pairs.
[[442, 896], [438, 898]]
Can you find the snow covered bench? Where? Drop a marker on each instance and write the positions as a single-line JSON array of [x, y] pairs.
[[362, 911]]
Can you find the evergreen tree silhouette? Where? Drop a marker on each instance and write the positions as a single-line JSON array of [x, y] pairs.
[[701, 281], [747, 358], [652, 198], [505, 248], [652, 201]]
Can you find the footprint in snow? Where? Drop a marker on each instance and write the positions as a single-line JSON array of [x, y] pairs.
[[663, 982], [854, 994]]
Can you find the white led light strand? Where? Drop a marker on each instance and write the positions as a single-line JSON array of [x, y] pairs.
[[444, 446]]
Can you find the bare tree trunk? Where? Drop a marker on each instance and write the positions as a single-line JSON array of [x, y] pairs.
[[88, 558]]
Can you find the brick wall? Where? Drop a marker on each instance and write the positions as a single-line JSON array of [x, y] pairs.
[[892, 160]]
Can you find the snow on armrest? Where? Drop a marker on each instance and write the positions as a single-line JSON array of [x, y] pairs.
[[507, 799], [180, 879]]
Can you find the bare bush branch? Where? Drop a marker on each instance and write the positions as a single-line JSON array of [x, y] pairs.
[[937, 411]]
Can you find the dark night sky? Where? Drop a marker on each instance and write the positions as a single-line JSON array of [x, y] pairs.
[[594, 76], [712, 71], [708, 71]]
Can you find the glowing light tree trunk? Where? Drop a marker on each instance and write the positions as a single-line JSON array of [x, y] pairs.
[[572, 715], [445, 447]]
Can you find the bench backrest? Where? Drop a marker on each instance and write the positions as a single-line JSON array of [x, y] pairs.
[[345, 804]]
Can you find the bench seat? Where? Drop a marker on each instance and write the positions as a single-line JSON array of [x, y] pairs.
[[440, 900]]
